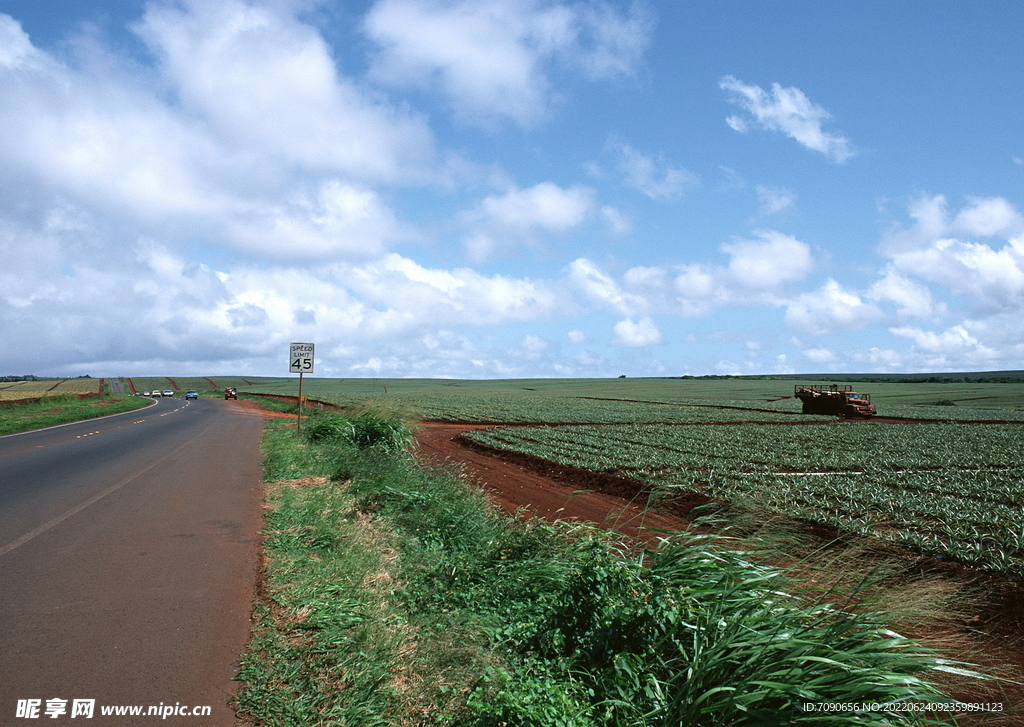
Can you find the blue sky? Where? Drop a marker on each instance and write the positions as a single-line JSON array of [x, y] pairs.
[[484, 189]]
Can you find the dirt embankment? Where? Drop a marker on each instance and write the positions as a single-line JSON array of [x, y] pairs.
[[254, 407], [554, 492]]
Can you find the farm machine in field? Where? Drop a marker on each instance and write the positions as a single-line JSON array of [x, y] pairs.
[[832, 400]]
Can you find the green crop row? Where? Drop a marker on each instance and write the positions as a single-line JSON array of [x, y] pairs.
[[501, 408], [950, 489], [817, 448]]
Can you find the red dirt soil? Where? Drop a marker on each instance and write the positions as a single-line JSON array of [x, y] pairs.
[[254, 407], [546, 489]]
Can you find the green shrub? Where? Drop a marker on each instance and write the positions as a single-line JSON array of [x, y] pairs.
[[365, 430], [329, 427], [697, 635]]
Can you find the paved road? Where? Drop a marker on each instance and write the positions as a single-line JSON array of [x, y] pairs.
[[128, 560]]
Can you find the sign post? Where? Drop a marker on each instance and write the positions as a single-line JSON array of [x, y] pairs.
[[300, 361]]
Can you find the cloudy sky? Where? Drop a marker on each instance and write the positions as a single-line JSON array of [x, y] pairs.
[[511, 188]]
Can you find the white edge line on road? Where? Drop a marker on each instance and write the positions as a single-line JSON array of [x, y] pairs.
[[91, 419], [4, 550]]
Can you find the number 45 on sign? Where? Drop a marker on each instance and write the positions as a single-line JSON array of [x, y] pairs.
[[301, 358]]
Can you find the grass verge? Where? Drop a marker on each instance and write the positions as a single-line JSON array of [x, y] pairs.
[[394, 595], [62, 409]]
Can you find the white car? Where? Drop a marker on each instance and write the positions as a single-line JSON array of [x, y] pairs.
[[145, 393], [168, 392]]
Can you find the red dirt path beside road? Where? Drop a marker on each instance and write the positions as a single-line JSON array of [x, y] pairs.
[[554, 495]]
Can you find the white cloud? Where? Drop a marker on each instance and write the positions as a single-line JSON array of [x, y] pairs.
[[829, 309], [955, 344], [884, 359], [697, 289], [931, 221], [600, 287], [491, 59], [933, 249], [774, 199], [589, 359], [636, 334], [819, 355], [101, 140], [16, 50], [787, 110], [988, 218], [341, 220], [512, 219], [426, 296], [262, 79], [244, 135], [618, 223], [995, 277], [912, 300], [757, 272], [544, 205], [954, 338], [768, 261], [981, 217], [655, 178], [577, 337], [533, 345]]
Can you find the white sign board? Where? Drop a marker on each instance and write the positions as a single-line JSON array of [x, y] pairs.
[[300, 358]]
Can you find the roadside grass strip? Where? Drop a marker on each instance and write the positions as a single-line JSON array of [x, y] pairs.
[[62, 409], [395, 594]]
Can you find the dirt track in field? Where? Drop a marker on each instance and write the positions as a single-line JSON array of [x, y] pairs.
[[545, 489]]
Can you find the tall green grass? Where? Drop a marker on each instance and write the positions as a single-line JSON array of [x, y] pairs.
[[396, 595]]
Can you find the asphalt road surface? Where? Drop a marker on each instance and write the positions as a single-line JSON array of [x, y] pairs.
[[128, 562]]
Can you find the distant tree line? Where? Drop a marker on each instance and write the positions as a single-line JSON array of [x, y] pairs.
[[995, 377], [30, 377]]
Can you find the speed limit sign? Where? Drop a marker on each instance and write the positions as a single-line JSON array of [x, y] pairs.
[[300, 358]]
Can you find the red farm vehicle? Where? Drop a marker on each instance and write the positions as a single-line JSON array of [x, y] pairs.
[[230, 392], [833, 400]]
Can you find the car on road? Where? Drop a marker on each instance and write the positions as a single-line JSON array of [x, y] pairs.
[[191, 394], [146, 393], [168, 392]]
